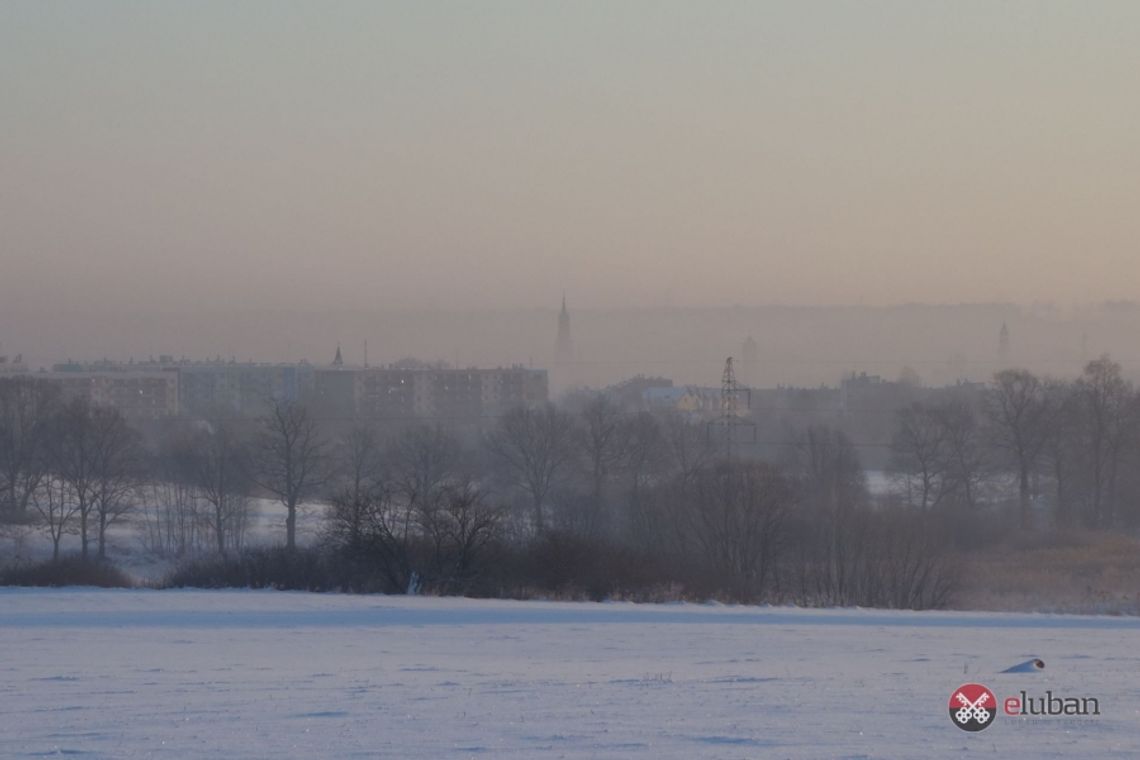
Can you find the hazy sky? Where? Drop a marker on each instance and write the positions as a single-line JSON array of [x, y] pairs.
[[419, 154]]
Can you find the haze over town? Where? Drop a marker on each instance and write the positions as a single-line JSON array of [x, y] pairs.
[[500, 324]]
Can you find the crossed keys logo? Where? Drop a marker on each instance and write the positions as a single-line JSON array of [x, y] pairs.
[[971, 710], [972, 707]]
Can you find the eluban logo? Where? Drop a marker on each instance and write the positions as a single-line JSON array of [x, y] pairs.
[[973, 707], [1051, 705]]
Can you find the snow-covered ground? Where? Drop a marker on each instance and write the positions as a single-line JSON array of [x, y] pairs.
[[289, 675]]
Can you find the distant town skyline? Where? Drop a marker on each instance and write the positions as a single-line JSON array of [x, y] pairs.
[[802, 346]]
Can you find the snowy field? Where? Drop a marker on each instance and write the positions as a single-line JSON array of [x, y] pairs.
[[290, 675]]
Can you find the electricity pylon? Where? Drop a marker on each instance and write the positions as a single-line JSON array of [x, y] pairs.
[[730, 409]]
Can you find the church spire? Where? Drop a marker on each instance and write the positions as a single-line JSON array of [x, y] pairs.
[[564, 345], [338, 361]]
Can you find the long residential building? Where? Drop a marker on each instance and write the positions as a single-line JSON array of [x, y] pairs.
[[397, 393], [138, 394], [166, 387], [208, 389]]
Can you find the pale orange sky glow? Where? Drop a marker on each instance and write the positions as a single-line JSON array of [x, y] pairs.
[[491, 155]]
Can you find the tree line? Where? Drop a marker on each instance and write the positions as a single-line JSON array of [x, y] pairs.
[[1056, 454], [588, 498]]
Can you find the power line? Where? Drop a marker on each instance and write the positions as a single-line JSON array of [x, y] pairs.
[[755, 442]]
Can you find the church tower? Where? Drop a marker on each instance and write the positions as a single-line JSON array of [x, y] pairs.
[[564, 345], [1003, 345]]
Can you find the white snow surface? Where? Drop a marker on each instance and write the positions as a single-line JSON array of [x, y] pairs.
[[243, 674]]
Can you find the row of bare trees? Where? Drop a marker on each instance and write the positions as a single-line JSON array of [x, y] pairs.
[[77, 468], [410, 509], [1065, 450], [196, 494], [589, 471], [70, 465], [415, 506]]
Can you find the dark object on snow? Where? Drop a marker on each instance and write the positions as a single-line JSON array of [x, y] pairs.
[[1029, 666]]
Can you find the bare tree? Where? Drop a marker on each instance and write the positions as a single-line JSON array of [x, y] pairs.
[[830, 527], [56, 509], [965, 460], [292, 462], [359, 478], [389, 502], [219, 466], [536, 448], [605, 446], [171, 521], [170, 506], [460, 528], [421, 461], [690, 448], [906, 565], [391, 532], [116, 473], [646, 463], [27, 409], [736, 513], [95, 454], [830, 466], [1022, 416], [1108, 412], [1061, 453], [918, 455]]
